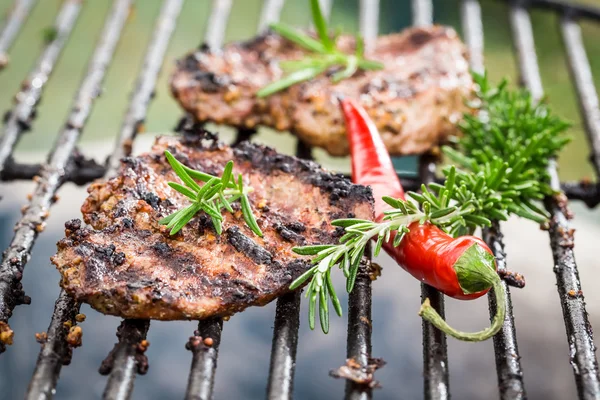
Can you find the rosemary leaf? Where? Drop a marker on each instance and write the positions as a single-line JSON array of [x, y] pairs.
[[183, 190], [302, 278], [298, 37], [351, 68], [181, 171], [321, 25], [334, 299], [249, 216], [324, 310], [290, 80], [311, 250]]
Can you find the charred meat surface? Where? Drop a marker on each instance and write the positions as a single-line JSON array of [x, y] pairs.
[[415, 100], [126, 264]]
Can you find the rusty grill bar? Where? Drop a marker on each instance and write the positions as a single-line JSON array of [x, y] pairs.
[[66, 164], [506, 351], [578, 328]]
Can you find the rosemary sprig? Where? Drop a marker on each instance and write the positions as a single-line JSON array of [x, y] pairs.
[[326, 55], [509, 125], [502, 155], [212, 197], [358, 232]]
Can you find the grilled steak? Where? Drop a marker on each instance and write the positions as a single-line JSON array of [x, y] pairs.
[[415, 100], [130, 266]]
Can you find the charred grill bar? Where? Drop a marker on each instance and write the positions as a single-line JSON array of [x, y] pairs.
[[127, 358], [358, 346], [123, 362], [506, 351], [20, 118], [578, 328], [435, 351], [18, 15], [32, 222], [55, 352]]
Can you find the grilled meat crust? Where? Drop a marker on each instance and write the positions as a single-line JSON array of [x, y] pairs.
[[128, 265], [415, 100]]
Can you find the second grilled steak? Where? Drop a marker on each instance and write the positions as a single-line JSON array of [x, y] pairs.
[[130, 266], [415, 100]]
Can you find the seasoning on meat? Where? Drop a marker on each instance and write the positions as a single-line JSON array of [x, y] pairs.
[[127, 264], [415, 101]]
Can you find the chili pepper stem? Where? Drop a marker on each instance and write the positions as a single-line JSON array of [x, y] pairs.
[[471, 275]]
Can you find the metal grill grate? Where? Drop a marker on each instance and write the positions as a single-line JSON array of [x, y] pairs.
[[65, 164]]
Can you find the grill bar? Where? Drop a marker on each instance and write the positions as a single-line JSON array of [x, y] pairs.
[[369, 21], [360, 327], [146, 82], [270, 13], [578, 328], [283, 350], [523, 41], [582, 350], [422, 12], [204, 359], [55, 352], [435, 349], [285, 332], [585, 191], [566, 8], [472, 25], [32, 222], [287, 320], [19, 13], [581, 73], [125, 359], [21, 116], [87, 171], [358, 342], [217, 23], [141, 97], [506, 351]]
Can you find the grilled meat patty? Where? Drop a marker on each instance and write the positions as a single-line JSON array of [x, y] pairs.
[[130, 266], [415, 100]]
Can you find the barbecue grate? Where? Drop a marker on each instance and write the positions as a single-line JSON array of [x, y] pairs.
[[65, 164]]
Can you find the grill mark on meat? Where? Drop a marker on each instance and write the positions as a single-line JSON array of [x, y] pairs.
[[247, 246], [128, 265], [162, 249], [296, 226], [420, 37], [151, 199], [268, 160], [289, 234], [414, 101]]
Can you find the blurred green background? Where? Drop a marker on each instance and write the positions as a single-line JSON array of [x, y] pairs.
[[396, 328], [110, 107]]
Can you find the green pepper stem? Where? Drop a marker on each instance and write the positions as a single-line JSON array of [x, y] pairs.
[[430, 314]]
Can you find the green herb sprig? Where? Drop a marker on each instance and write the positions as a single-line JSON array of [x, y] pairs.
[[501, 162], [214, 196], [326, 55], [510, 125]]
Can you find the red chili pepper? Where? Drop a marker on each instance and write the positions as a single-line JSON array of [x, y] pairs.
[[462, 268]]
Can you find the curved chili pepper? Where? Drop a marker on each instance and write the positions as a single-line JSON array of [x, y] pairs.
[[463, 268]]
